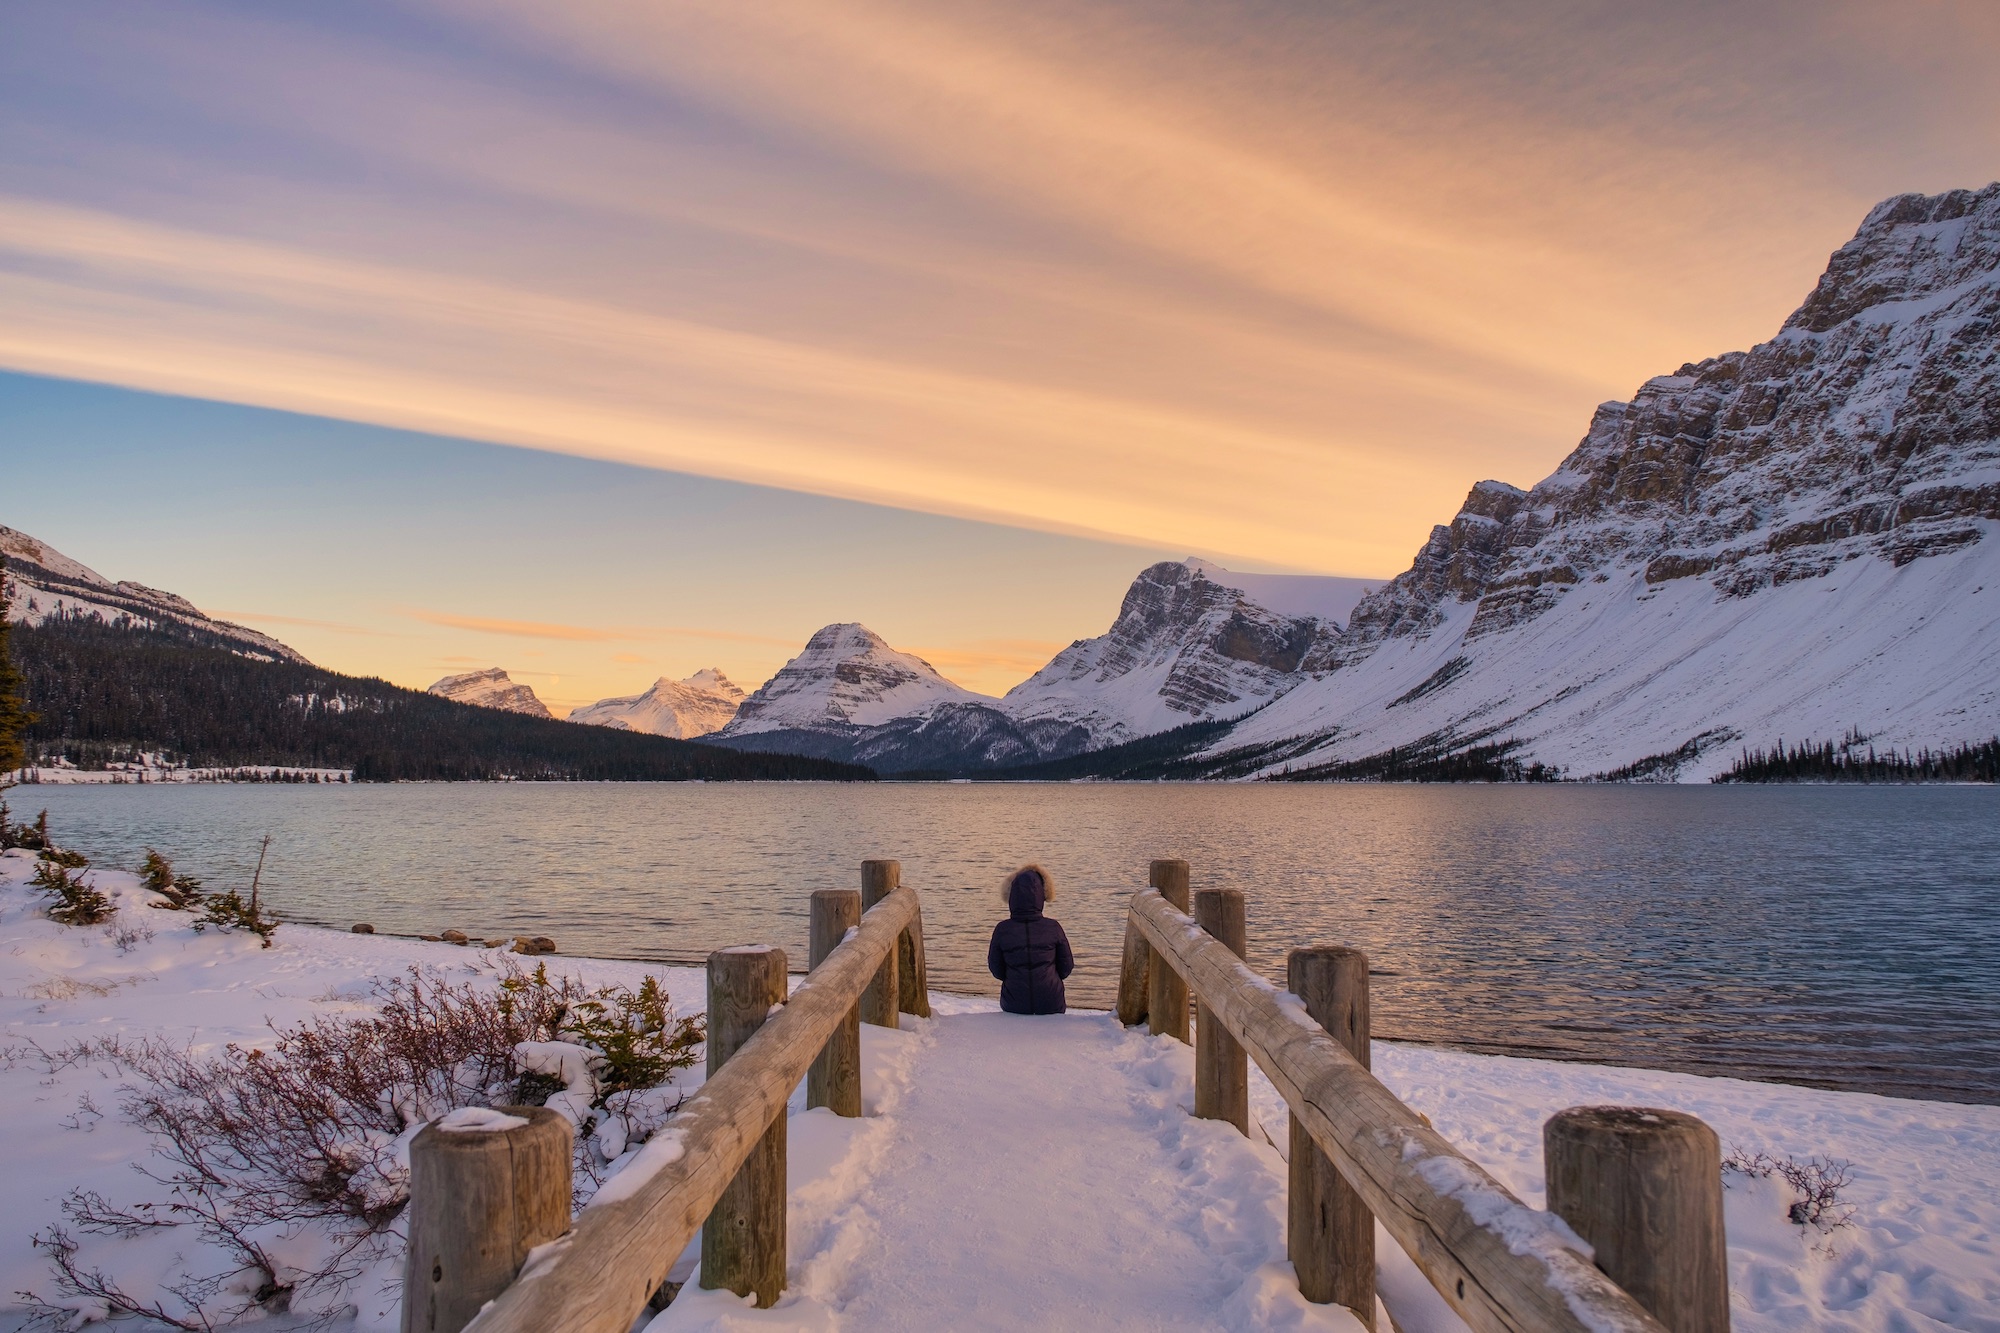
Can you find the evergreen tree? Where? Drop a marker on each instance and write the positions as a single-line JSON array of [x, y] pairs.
[[14, 715]]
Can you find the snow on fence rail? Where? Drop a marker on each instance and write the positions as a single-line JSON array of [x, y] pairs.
[[1642, 1186], [709, 1169]]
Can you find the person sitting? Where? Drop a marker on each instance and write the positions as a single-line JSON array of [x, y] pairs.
[[1029, 955]]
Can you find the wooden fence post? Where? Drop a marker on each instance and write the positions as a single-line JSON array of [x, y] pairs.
[[834, 1081], [1133, 970], [480, 1199], [1644, 1187], [1221, 1069], [1330, 1232], [743, 1241], [1166, 993], [883, 997], [914, 991]]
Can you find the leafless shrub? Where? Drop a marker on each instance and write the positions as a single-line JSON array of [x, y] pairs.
[[126, 938], [311, 1129], [1817, 1181]]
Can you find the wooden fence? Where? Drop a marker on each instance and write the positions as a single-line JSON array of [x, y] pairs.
[[492, 1248], [1641, 1187], [716, 1167]]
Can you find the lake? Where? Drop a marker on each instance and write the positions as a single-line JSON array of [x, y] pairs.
[[1843, 937]]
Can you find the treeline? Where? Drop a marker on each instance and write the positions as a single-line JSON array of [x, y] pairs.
[[1164, 755], [1847, 761], [109, 692], [1428, 761]]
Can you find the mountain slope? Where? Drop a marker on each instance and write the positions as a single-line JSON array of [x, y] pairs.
[[44, 583], [1185, 648], [1790, 541], [703, 703], [491, 688]]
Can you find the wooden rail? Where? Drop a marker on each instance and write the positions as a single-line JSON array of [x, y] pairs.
[[600, 1277], [1501, 1265]]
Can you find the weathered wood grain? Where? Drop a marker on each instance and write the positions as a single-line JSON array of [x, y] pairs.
[[1166, 992], [1221, 1070], [598, 1279], [1644, 1187], [834, 1081], [1501, 1265], [743, 1240], [1132, 970], [883, 999], [1330, 1232], [479, 1201]]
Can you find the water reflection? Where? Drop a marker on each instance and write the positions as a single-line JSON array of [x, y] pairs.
[[1845, 937]]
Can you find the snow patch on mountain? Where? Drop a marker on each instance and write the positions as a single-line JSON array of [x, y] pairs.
[[703, 703], [43, 583], [491, 688]]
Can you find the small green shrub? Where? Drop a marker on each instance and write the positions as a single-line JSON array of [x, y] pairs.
[[34, 837], [73, 902], [228, 911], [68, 860], [637, 1034], [182, 893]]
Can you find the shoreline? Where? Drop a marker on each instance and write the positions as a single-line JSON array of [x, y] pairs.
[[1926, 1174]]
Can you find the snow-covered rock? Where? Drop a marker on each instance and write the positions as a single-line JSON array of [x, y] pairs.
[[703, 703], [845, 679], [491, 688], [1190, 645], [1787, 542], [43, 583]]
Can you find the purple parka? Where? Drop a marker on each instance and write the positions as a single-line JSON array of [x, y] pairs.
[[1029, 954]]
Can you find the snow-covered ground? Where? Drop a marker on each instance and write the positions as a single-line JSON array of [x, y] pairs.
[[1013, 1172]]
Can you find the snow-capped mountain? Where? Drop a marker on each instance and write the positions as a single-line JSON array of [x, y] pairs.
[[845, 677], [1793, 541], [704, 702], [43, 582], [490, 688], [1190, 644]]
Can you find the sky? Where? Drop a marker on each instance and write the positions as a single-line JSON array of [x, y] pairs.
[[613, 317]]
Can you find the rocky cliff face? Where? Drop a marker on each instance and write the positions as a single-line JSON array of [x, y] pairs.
[[43, 582], [703, 703], [491, 688], [1857, 453], [1186, 647]]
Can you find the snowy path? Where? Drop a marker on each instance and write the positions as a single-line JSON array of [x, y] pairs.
[[1042, 1173]]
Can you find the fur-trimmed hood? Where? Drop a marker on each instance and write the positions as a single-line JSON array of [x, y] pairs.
[[1028, 891]]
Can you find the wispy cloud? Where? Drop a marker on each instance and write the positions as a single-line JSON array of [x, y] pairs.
[[539, 629]]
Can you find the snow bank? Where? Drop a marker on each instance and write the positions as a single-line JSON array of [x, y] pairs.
[[1018, 1171]]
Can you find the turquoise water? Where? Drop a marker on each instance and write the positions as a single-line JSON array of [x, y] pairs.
[[1838, 936]]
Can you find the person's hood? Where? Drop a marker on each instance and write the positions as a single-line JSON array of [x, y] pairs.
[[1024, 896]]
